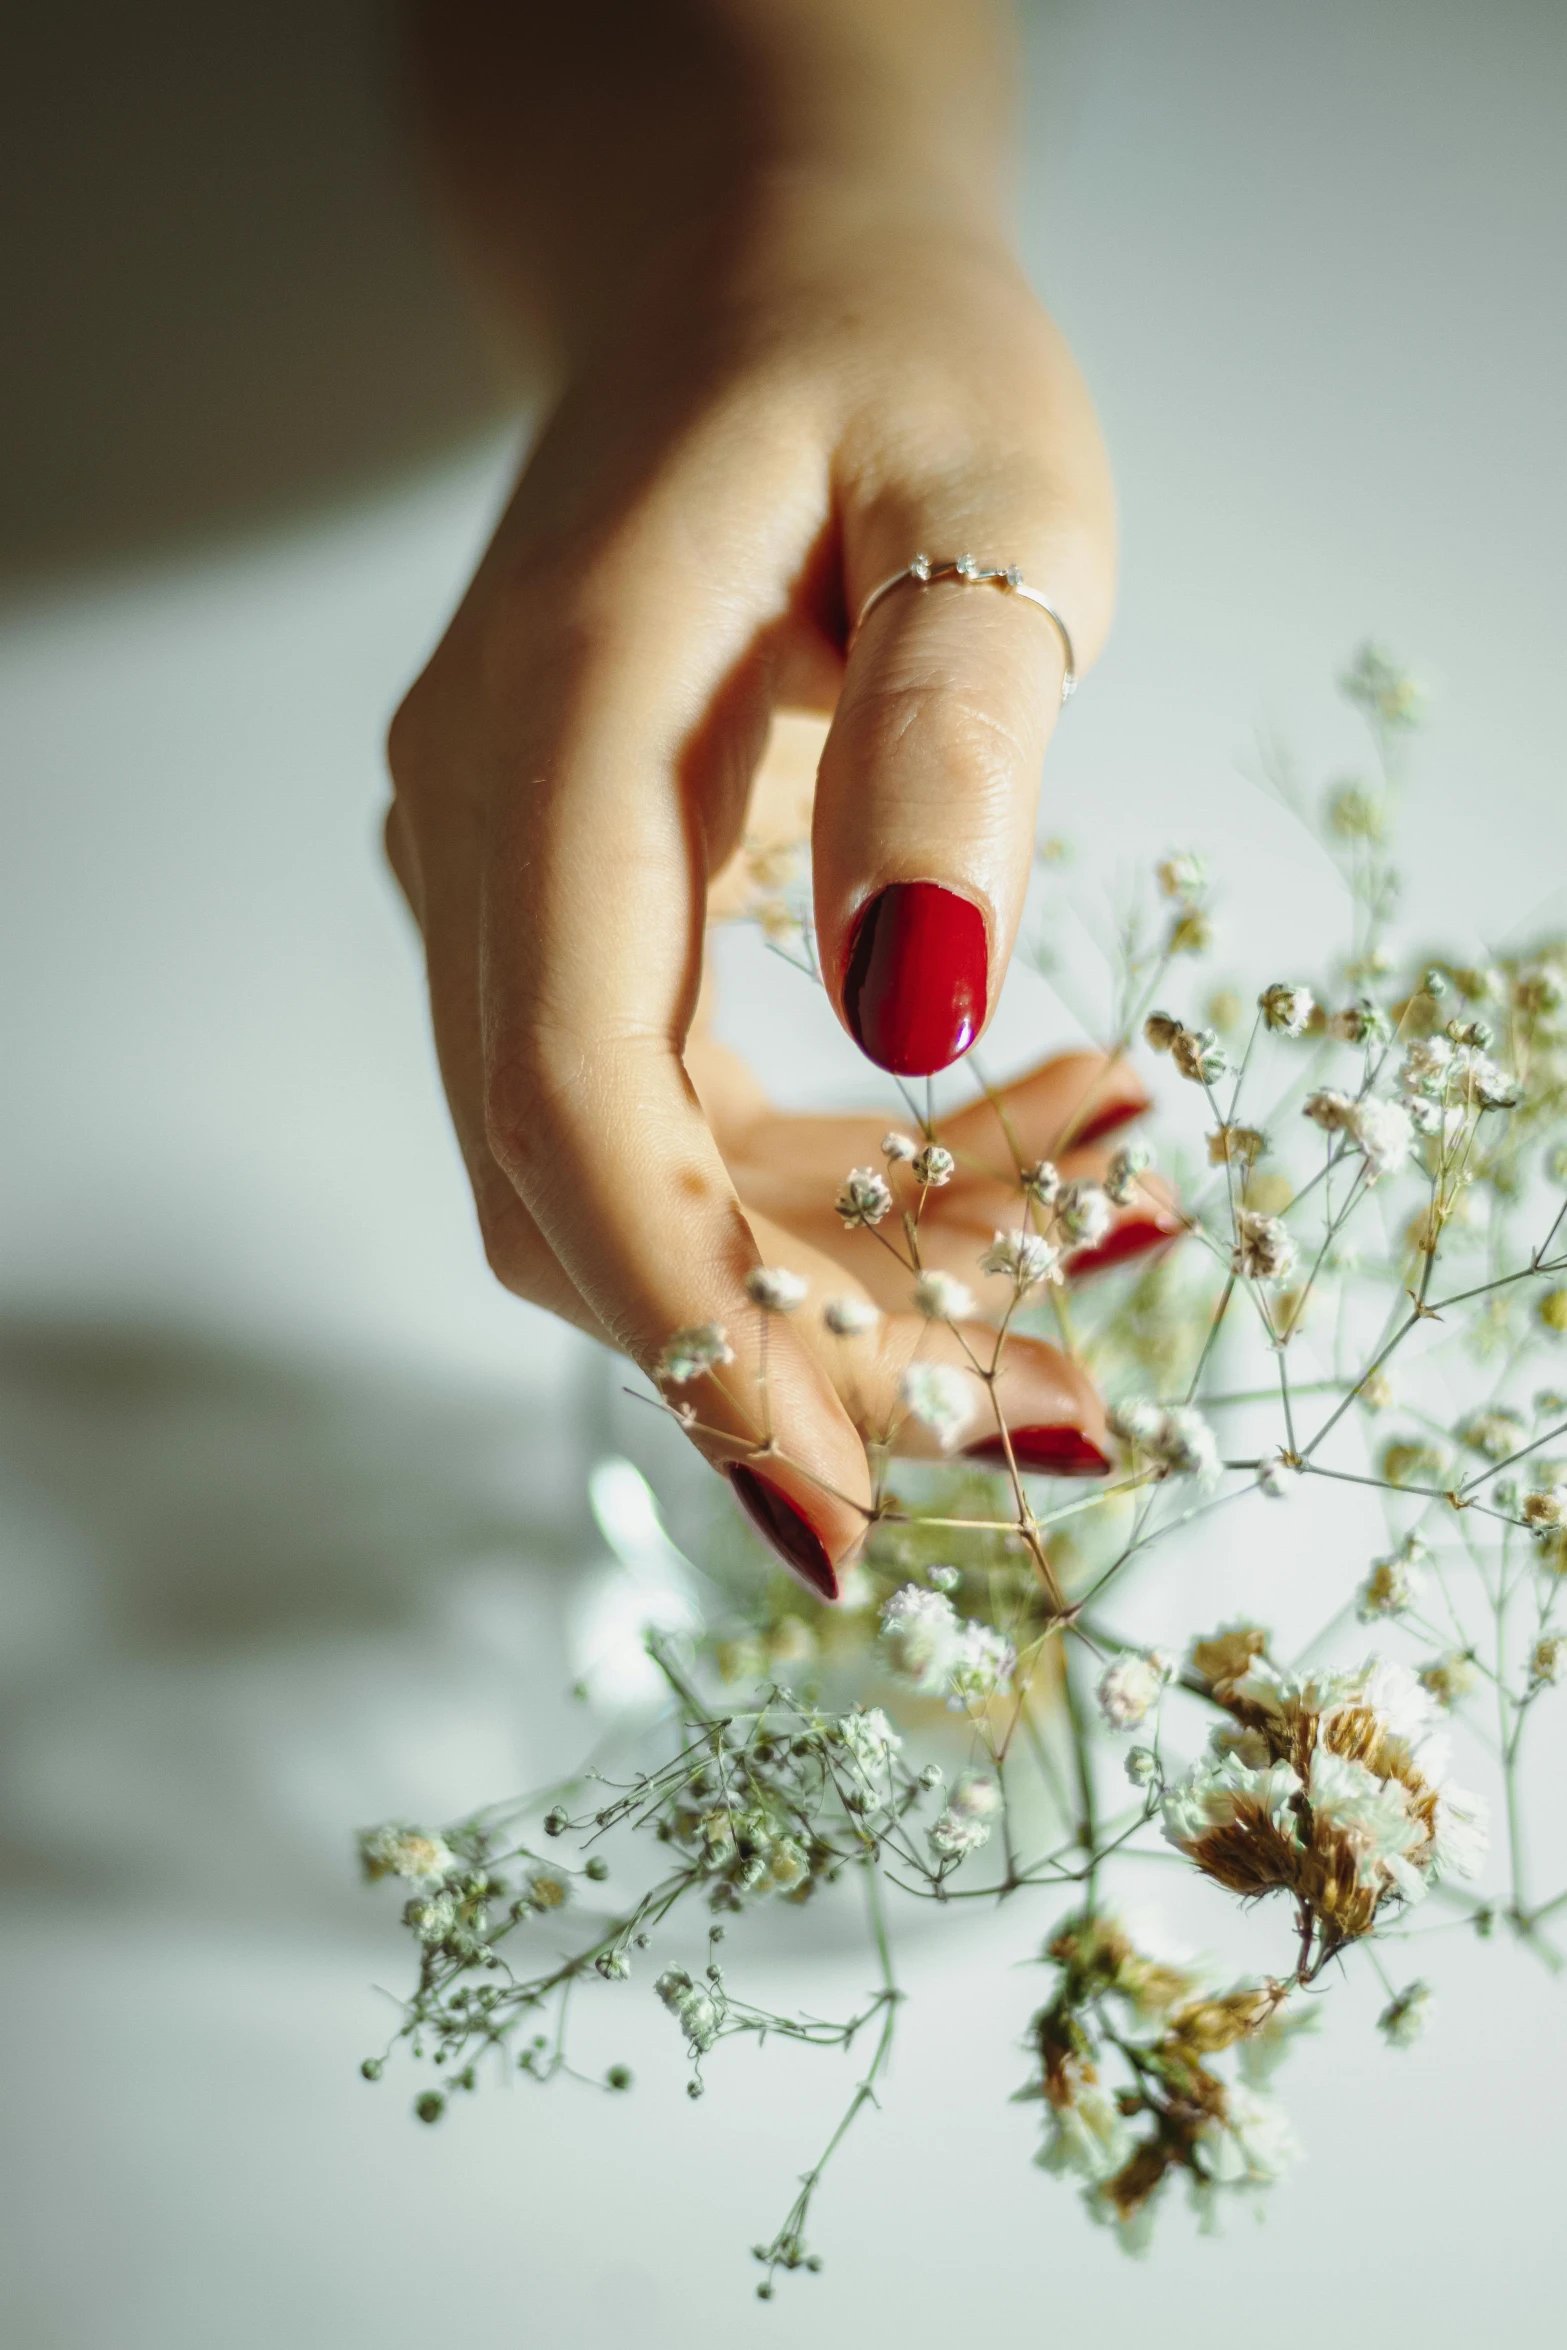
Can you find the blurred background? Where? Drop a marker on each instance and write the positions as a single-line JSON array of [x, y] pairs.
[[292, 1523]]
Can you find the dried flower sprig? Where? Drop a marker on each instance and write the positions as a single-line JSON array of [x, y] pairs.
[[1374, 1281]]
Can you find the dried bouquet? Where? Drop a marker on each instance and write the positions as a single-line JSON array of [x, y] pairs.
[[1364, 1309]]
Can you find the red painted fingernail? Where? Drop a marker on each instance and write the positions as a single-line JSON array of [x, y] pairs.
[[915, 987], [1133, 1238], [1109, 1120], [788, 1529], [1059, 1452]]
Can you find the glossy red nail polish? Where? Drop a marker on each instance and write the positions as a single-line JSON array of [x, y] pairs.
[[1109, 1120], [788, 1529], [1055, 1451], [915, 987], [1133, 1238]]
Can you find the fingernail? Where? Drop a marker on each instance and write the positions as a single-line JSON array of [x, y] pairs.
[[918, 970], [788, 1529], [1134, 1238], [1059, 1452], [1109, 1120]]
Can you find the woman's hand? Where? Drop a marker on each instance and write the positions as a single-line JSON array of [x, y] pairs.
[[792, 395]]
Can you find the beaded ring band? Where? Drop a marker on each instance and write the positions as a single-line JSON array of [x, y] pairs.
[[971, 573]]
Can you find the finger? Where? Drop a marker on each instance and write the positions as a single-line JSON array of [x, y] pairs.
[[625, 792], [926, 804]]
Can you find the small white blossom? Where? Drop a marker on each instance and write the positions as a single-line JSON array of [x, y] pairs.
[[1287, 1009], [415, 1853], [689, 1353], [940, 1298], [1132, 1685], [698, 2008], [1548, 1661], [942, 1398], [1329, 1110], [1083, 1213], [920, 1629], [775, 1289], [1041, 1182], [433, 1920], [1021, 1258], [1393, 1585], [870, 1739], [1406, 2015], [982, 1665], [1124, 1171], [965, 1824], [1546, 1511], [850, 1317], [1198, 1054], [1426, 1065], [1382, 1131], [1486, 1085], [896, 1146], [1183, 876], [863, 1197], [1142, 1766], [1264, 1247], [934, 1166], [1175, 1439]]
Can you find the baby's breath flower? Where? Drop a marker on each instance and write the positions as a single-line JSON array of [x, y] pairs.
[[1547, 1509], [1125, 1169], [1142, 1766], [1406, 2015], [940, 1298], [1083, 1213], [934, 1166], [698, 2008], [1286, 1008], [920, 1629], [1449, 1678], [775, 1289], [850, 1317], [1552, 1310], [1382, 1132], [1264, 1247], [416, 1853], [863, 1197], [1191, 932], [1329, 1110], [896, 1146], [1172, 1438], [1041, 1183], [1496, 1435], [965, 1824], [1426, 1065], [690, 1353], [1240, 1146], [1160, 1031], [1485, 1084], [434, 1920], [1548, 1661], [941, 1397], [870, 1739], [982, 1665], [1131, 1686], [1184, 875], [1198, 1054], [1393, 1585], [1022, 1258]]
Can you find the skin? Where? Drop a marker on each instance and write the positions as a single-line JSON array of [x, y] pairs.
[[755, 252]]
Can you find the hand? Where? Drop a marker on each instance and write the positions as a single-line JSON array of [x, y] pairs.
[[777, 421]]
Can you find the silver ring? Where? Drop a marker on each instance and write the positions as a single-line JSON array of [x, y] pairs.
[[1007, 577]]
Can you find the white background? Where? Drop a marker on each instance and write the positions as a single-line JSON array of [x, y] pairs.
[[292, 1508]]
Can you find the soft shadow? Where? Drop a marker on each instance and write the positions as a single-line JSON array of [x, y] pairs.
[[224, 293]]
